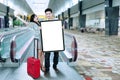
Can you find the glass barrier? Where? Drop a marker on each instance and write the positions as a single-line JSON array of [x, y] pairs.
[[70, 48], [5, 41], [18, 43]]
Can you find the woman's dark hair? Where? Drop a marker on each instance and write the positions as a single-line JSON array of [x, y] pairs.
[[48, 9], [32, 18]]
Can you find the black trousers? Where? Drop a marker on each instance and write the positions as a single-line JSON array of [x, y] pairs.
[[47, 59]]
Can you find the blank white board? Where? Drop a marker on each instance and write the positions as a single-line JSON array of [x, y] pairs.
[[52, 35]]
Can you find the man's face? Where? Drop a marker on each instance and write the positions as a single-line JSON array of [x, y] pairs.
[[49, 15]]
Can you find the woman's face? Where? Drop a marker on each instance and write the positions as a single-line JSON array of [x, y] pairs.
[[36, 19]]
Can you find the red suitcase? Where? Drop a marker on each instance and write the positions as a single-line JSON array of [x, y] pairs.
[[33, 65]]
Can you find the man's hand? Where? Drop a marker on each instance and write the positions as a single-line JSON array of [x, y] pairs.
[[63, 27], [40, 28]]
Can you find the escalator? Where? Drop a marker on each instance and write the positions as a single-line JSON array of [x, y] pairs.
[[19, 46]]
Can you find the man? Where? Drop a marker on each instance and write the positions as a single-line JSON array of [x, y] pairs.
[[49, 16]]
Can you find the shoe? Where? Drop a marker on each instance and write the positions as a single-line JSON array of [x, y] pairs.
[[42, 68], [46, 72], [55, 68]]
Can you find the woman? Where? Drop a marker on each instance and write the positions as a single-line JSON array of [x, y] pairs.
[[36, 30]]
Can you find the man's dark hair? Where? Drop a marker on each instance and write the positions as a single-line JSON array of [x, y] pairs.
[[48, 9]]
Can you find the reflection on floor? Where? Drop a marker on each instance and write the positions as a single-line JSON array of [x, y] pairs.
[[99, 55], [98, 58], [65, 73]]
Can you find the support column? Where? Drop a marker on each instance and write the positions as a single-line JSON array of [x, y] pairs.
[[59, 17], [82, 21], [7, 17], [63, 16], [69, 20], [108, 3], [82, 18], [111, 20], [80, 7]]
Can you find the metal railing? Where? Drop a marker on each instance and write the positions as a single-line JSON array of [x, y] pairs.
[[70, 54], [5, 41], [19, 44], [6, 35]]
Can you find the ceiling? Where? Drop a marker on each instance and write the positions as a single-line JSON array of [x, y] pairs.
[[58, 7], [38, 6], [20, 6], [27, 7]]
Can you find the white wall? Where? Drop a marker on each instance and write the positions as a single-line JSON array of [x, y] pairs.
[[116, 2], [96, 19], [94, 9], [75, 20]]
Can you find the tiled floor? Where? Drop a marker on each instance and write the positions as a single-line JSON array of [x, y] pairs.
[[65, 73], [99, 55]]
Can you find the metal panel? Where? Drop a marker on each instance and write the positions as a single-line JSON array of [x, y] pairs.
[[96, 15], [74, 9], [2, 14], [116, 2], [11, 11], [111, 22], [75, 14], [22, 4], [94, 9], [60, 16], [51, 3], [56, 5], [3, 8], [66, 14], [90, 3]]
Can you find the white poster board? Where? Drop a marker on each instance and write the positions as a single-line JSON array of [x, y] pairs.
[[52, 35]]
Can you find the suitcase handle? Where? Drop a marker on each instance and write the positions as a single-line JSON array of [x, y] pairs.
[[36, 40]]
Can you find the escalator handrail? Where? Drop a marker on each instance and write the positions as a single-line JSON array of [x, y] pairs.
[[74, 52], [13, 47], [4, 35], [11, 32]]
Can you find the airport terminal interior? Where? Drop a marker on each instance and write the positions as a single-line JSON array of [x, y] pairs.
[[90, 39]]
